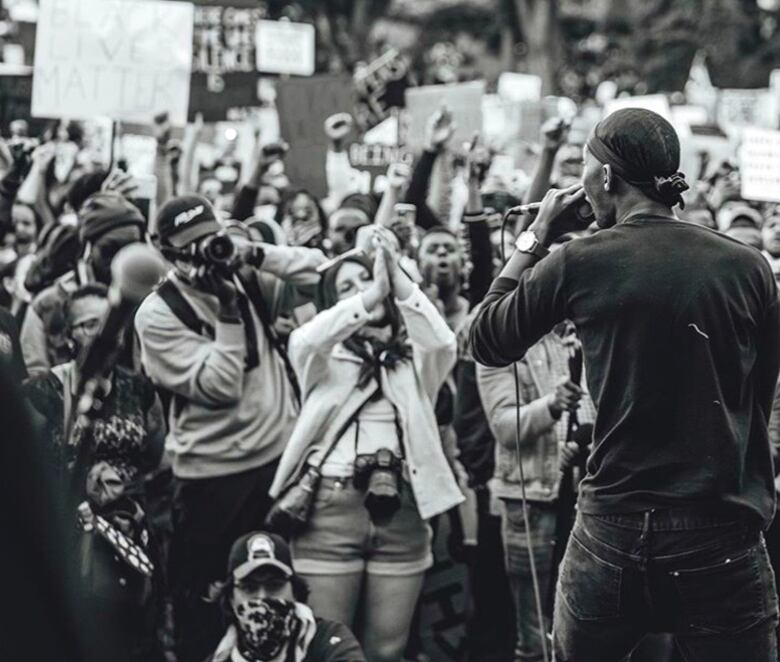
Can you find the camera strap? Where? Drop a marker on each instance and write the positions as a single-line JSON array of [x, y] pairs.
[[396, 420], [256, 298], [340, 433]]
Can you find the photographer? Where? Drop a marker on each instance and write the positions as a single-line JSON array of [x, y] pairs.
[[206, 337], [367, 448], [679, 327]]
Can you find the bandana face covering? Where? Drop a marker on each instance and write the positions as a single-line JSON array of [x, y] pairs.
[[265, 627]]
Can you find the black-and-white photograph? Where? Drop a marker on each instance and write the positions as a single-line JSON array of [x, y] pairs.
[[389, 330]]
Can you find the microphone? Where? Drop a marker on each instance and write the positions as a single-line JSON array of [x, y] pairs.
[[532, 208], [135, 271]]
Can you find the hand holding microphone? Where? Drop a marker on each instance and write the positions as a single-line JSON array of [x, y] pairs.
[[560, 211]]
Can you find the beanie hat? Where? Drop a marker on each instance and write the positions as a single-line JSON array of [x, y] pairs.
[[361, 202], [106, 211], [185, 219]]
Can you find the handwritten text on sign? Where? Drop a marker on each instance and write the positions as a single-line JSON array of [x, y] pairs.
[[125, 59], [760, 164]]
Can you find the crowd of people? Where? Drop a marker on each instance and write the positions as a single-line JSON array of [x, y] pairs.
[[297, 404]]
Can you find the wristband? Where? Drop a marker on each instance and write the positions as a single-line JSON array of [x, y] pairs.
[[257, 257]]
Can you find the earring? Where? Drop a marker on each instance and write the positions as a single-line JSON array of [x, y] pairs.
[[607, 177]]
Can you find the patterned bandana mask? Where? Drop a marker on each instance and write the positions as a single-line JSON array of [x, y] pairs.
[[265, 627]]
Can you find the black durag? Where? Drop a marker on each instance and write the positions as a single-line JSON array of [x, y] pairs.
[[643, 149]]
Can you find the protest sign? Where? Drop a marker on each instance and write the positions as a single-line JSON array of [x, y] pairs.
[[304, 104], [224, 61], [220, 97], [743, 108], [464, 101], [284, 47], [658, 103], [519, 87], [123, 59], [224, 36], [380, 86], [759, 158]]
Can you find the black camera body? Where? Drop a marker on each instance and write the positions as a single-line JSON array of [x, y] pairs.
[[379, 475]]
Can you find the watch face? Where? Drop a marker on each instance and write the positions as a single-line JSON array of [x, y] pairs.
[[526, 241]]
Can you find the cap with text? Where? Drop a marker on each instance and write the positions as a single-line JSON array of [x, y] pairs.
[[185, 219]]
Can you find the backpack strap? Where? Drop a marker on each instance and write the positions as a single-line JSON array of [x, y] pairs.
[[183, 310]]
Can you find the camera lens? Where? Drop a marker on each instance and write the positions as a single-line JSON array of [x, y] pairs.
[[217, 249]]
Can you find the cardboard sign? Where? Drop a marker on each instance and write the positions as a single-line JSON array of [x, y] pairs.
[[127, 60], [380, 86], [285, 48], [464, 101], [759, 158], [304, 104]]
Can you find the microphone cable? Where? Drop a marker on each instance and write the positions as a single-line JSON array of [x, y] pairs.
[[523, 500]]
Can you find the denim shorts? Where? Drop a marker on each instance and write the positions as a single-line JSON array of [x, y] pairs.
[[341, 539]]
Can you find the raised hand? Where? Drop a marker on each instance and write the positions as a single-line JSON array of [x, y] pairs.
[[439, 129]]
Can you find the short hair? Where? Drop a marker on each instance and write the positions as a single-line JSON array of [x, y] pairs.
[[84, 186], [82, 292]]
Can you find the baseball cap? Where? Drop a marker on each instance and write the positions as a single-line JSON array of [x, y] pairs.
[[185, 219], [256, 550], [106, 211]]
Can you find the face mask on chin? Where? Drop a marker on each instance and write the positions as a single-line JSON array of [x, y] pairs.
[[265, 627]]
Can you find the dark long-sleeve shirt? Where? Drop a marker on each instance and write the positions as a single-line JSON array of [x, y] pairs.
[[9, 186], [417, 192], [244, 203], [680, 329]]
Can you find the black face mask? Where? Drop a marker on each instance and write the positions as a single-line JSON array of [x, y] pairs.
[[265, 627]]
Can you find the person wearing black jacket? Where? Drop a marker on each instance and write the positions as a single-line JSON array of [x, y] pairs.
[[679, 327]]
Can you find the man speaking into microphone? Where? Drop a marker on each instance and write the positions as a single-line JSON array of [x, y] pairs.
[[680, 330]]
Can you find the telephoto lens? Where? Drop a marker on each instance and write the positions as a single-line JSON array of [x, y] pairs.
[[217, 249]]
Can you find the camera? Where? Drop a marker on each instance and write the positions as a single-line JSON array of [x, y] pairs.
[[291, 512], [379, 475], [216, 250]]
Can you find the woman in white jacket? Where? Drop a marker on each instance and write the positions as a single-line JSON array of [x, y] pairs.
[[370, 365]]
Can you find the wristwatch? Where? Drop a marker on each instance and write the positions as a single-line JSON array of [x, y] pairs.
[[527, 242]]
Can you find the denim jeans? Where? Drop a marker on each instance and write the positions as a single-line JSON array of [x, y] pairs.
[[703, 578], [541, 517]]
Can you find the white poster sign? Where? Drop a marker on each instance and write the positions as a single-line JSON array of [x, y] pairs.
[[519, 87], [123, 59], [283, 47], [759, 158]]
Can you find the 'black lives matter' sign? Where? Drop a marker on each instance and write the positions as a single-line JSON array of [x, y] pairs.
[[126, 60]]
